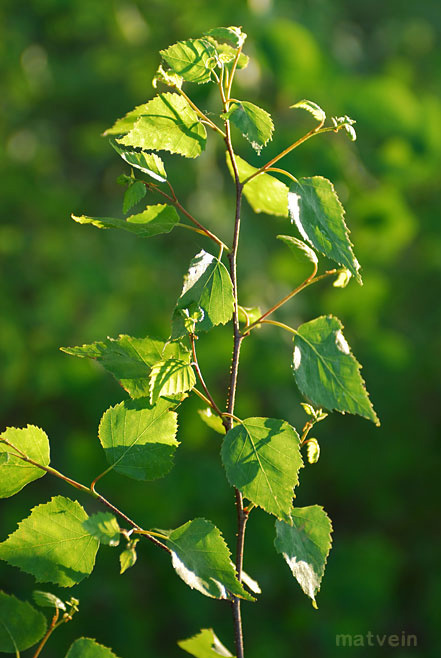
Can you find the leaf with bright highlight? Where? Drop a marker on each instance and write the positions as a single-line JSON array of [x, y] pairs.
[[52, 545], [207, 288], [86, 648], [168, 123], [133, 195], [264, 193], [154, 220], [14, 472], [127, 122], [21, 625], [315, 209], [211, 419], [205, 645], [299, 249], [149, 163], [103, 526], [202, 559], [128, 359], [305, 546], [139, 438], [325, 370], [48, 600], [171, 377], [254, 123], [193, 60], [232, 35], [128, 556], [262, 459], [312, 108]]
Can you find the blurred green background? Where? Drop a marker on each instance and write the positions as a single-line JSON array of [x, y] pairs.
[[69, 69]]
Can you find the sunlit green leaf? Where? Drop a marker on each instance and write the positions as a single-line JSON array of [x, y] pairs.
[[127, 122], [262, 459], [170, 377], [315, 209], [154, 220], [312, 108], [227, 54], [325, 370], [103, 526], [128, 359], [21, 626], [249, 314], [213, 421], [148, 163], [52, 545], [299, 249], [193, 59], [167, 78], [254, 123], [312, 450], [48, 600], [264, 193], [202, 559], [14, 472], [168, 123], [86, 648], [305, 546], [133, 195], [232, 34], [128, 557], [207, 288], [139, 438], [205, 645]]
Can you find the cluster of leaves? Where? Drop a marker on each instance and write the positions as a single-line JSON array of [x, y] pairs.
[[58, 542]]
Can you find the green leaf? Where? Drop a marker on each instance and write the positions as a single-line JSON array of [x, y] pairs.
[[21, 625], [205, 645], [343, 278], [193, 59], [305, 546], [213, 421], [227, 54], [262, 459], [315, 209], [14, 472], [128, 359], [248, 314], [168, 123], [86, 648], [254, 123], [154, 220], [264, 193], [201, 558], [171, 377], [48, 600], [133, 195], [127, 122], [312, 450], [207, 288], [167, 78], [148, 163], [139, 438], [128, 557], [299, 249], [312, 108], [325, 370], [232, 34], [52, 545], [103, 526]]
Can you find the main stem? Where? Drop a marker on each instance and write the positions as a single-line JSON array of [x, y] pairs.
[[242, 515]]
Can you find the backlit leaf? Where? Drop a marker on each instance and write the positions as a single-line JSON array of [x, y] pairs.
[[148, 163], [48, 600], [21, 625], [52, 545], [305, 546], [103, 526], [315, 209], [14, 472], [312, 108], [154, 220], [299, 249], [207, 288], [232, 34], [133, 195], [262, 459], [193, 60], [254, 123], [325, 370], [211, 419], [128, 359], [139, 438], [264, 193], [205, 645], [170, 377], [127, 122], [202, 559], [168, 123], [128, 557], [86, 648]]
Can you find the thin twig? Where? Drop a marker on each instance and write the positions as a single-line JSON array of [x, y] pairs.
[[49, 632]]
